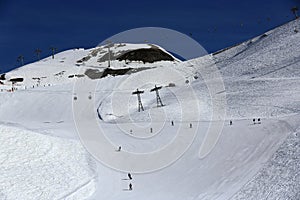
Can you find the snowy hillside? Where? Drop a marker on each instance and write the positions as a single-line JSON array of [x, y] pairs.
[[41, 156], [65, 65], [274, 54]]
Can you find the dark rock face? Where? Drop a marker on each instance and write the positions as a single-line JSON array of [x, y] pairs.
[[115, 72], [93, 73], [146, 55], [2, 77], [84, 59], [76, 75], [97, 74], [16, 80]]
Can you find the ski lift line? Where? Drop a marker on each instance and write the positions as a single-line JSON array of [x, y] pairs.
[[179, 79], [120, 90], [105, 90], [124, 90], [111, 90]]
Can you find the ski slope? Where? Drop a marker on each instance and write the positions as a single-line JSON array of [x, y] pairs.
[[34, 166], [279, 178], [261, 79]]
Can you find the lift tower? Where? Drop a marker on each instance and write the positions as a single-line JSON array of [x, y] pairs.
[[138, 93], [158, 99]]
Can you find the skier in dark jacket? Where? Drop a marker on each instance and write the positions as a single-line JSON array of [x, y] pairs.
[[129, 176], [119, 148], [259, 120]]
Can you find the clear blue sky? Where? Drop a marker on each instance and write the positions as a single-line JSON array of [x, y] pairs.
[[29, 24]]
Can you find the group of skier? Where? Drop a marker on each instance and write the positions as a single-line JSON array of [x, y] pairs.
[[172, 124], [130, 184], [254, 121], [258, 121]]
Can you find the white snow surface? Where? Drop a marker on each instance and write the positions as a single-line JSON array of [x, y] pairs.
[[280, 177], [41, 156], [35, 166]]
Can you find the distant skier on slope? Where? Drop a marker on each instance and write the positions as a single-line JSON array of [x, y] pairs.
[[129, 176], [119, 149], [254, 121], [230, 122], [130, 186]]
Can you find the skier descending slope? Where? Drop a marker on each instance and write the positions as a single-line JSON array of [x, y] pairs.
[[119, 149], [129, 176], [258, 121]]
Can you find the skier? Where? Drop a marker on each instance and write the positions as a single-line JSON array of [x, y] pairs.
[[172, 123], [129, 176], [230, 122], [151, 130], [130, 186], [119, 149], [258, 121], [191, 125], [254, 121]]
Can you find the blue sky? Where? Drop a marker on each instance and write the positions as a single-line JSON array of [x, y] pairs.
[[29, 24]]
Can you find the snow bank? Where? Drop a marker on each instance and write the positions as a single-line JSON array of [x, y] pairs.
[[279, 178], [34, 166]]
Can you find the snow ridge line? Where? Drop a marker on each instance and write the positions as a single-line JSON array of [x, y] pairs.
[[78, 188]]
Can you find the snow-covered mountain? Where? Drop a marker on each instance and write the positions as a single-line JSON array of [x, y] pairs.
[[41, 156]]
